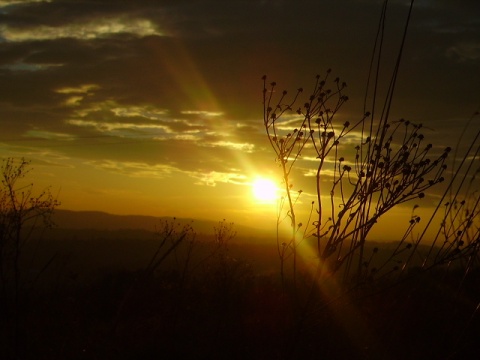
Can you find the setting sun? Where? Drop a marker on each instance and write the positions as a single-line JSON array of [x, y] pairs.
[[264, 190]]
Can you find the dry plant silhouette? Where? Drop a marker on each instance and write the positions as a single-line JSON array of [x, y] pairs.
[[391, 165], [363, 168], [22, 210]]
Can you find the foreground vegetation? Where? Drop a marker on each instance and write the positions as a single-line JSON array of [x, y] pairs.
[[216, 298]]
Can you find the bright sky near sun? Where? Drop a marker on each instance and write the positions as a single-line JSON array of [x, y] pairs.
[[265, 190], [155, 108]]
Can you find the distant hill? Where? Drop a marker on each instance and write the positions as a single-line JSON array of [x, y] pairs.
[[89, 241], [101, 239], [102, 221]]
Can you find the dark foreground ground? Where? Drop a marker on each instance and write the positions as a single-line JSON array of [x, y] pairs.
[[84, 300]]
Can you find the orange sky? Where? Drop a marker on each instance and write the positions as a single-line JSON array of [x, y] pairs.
[[145, 108]]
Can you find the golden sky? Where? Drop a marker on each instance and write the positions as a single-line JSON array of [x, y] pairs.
[[155, 108]]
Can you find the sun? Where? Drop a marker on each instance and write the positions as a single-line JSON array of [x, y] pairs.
[[264, 190]]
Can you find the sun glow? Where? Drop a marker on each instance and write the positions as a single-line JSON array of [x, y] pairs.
[[264, 190]]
